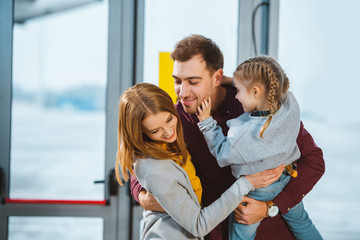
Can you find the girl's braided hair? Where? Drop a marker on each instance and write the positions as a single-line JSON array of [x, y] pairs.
[[267, 71]]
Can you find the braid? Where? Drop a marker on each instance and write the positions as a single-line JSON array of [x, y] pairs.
[[267, 71], [272, 93]]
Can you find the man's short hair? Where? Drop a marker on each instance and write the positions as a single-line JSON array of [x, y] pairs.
[[196, 44]]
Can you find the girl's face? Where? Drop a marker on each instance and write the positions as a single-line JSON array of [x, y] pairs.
[[246, 97], [160, 127]]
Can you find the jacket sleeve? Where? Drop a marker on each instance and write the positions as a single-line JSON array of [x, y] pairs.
[[135, 188], [219, 145], [311, 167], [173, 196]]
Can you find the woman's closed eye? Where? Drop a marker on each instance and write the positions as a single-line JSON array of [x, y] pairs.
[[155, 131]]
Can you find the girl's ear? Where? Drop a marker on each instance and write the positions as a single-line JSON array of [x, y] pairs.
[[257, 91]]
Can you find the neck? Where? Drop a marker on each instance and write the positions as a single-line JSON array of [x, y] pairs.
[[265, 106], [262, 105], [218, 97]]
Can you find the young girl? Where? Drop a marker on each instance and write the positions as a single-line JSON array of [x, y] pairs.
[[151, 141], [263, 137]]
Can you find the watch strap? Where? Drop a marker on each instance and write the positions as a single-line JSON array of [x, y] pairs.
[[269, 204]]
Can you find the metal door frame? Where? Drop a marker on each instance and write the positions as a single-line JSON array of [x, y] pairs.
[[125, 58], [266, 26]]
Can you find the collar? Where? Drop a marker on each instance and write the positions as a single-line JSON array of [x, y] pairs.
[[260, 113]]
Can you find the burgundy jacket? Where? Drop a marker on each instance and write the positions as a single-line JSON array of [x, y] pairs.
[[215, 180]]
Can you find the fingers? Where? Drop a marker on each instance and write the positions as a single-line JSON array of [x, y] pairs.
[[278, 171], [205, 105], [199, 110]]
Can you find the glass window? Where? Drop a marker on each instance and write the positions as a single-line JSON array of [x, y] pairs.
[[167, 22], [58, 105], [319, 50], [55, 228]]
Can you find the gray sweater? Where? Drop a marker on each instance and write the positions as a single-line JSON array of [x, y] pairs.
[[184, 217], [244, 150]]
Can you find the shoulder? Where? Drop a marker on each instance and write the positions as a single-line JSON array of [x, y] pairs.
[[145, 166], [161, 177], [233, 106], [148, 170]]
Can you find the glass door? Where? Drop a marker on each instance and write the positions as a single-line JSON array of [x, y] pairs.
[[58, 105], [58, 102]]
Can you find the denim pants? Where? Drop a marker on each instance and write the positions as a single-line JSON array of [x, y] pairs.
[[297, 218]]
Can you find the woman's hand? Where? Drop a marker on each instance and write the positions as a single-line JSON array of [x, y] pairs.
[[148, 202], [266, 177]]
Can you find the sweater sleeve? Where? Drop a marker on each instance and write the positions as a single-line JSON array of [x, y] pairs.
[[173, 196], [135, 188], [244, 146], [311, 166], [219, 145]]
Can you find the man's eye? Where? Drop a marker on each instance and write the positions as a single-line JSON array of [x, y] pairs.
[[177, 82], [193, 83]]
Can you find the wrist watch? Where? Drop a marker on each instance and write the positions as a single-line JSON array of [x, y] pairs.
[[272, 209]]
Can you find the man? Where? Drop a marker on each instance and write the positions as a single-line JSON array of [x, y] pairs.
[[198, 64]]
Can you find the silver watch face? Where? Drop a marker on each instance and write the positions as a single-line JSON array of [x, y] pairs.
[[273, 211]]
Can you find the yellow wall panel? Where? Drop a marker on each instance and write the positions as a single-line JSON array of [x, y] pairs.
[[166, 82]]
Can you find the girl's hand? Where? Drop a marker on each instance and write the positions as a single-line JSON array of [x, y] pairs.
[[204, 109]]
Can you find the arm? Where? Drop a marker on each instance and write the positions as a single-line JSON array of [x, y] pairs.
[[275, 148], [311, 167], [170, 187], [219, 145], [144, 198]]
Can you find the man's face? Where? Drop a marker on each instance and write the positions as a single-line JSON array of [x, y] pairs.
[[193, 82]]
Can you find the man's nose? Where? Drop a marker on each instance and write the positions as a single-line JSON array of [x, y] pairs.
[[184, 91]]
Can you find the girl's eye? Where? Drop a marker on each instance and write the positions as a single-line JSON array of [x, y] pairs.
[[170, 118]]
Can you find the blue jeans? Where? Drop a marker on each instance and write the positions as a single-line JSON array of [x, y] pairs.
[[297, 218]]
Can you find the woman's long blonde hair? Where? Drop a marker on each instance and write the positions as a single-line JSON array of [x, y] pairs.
[[267, 71], [136, 103]]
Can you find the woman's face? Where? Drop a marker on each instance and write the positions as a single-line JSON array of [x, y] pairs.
[[160, 127]]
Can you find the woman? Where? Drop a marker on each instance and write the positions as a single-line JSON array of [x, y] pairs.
[[151, 141]]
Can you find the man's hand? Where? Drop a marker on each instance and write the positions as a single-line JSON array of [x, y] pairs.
[[266, 177], [148, 202], [205, 109], [250, 211]]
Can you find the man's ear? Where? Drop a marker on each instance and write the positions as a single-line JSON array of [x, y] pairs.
[[218, 77]]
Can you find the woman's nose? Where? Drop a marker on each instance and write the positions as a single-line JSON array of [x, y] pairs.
[[167, 131]]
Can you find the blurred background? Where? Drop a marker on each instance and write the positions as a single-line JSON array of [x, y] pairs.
[[64, 91]]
